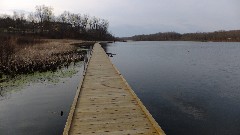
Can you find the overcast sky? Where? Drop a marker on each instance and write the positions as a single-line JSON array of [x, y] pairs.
[[130, 17]]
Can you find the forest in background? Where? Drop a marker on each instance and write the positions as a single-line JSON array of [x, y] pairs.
[[45, 24], [29, 42], [217, 36]]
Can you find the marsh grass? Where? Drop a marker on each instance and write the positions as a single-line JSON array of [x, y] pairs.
[[26, 55]]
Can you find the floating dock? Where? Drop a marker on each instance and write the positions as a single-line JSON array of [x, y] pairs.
[[105, 104]]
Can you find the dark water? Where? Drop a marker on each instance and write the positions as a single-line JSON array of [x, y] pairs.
[[190, 88], [35, 107]]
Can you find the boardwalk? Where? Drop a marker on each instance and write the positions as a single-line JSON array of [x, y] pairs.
[[106, 105]]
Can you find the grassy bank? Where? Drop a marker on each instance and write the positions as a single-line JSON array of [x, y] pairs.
[[24, 55]]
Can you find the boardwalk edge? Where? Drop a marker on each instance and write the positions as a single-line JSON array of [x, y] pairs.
[[73, 107], [144, 109]]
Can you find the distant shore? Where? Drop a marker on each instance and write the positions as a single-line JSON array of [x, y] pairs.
[[217, 36]]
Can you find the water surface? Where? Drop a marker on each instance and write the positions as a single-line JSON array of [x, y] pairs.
[[32, 104], [190, 88]]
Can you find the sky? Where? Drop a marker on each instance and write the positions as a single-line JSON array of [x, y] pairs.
[[132, 17]]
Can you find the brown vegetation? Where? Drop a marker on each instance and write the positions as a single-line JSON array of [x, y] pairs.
[[21, 55]]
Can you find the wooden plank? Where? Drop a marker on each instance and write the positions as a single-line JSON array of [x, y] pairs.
[[106, 105]]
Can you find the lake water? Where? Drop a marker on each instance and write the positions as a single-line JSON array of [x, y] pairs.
[[39, 103], [190, 88], [33, 104]]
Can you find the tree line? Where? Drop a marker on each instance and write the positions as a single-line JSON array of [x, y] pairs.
[[217, 36], [44, 23]]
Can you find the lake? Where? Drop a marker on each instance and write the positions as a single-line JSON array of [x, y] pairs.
[[32, 104], [39, 103], [190, 88]]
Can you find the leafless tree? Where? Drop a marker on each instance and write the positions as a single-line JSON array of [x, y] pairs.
[[66, 25], [44, 15]]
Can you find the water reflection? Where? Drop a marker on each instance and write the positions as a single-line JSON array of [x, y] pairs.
[[19, 82], [39, 103], [189, 87], [36, 108]]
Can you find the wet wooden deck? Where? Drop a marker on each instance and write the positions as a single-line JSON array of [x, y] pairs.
[[105, 104]]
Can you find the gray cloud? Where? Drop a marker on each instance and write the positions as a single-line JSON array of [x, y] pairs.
[[130, 17]]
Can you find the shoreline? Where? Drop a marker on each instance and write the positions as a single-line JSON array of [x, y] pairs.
[[50, 55]]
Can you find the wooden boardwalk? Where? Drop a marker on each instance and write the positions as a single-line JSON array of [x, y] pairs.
[[105, 104]]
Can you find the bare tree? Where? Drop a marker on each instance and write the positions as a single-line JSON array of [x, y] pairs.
[[85, 19], [15, 15], [104, 24], [32, 20], [44, 15], [66, 25], [78, 22], [19, 18], [63, 17]]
